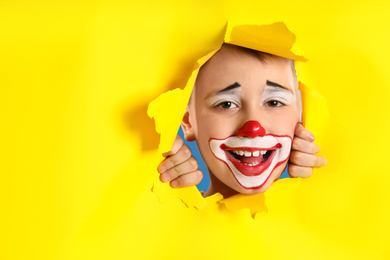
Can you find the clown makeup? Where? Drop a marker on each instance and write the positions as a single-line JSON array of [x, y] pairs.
[[252, 160], [242, 114]]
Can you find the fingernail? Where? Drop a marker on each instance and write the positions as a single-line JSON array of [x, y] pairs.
[[162, 168], [165, 177], [325, 161], [174, 183], [311, 137]]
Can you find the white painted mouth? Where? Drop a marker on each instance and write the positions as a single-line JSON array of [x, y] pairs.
[[244, 146]]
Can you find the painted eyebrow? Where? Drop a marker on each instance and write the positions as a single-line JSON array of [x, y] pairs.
[[228, 88], [273, 84], [225, 90]]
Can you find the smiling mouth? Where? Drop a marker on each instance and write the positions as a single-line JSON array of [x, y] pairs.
[[250, 161]]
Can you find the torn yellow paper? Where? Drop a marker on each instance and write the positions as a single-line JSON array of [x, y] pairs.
[[190, 196], [316, 115], [271, 38], [255, 203], [173, 103]]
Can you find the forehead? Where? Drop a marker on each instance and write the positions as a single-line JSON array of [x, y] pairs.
[[235, 64]]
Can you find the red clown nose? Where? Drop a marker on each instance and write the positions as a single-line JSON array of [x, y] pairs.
[[251, 129]]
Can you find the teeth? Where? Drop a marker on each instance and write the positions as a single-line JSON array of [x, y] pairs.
[[238, 152], [249, 154]]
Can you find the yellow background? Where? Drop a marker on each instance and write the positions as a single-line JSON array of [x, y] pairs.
[[78, 154]]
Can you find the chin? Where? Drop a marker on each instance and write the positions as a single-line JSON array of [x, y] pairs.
[[260, 189]]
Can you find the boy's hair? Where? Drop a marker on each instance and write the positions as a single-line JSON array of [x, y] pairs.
[[262, 56]]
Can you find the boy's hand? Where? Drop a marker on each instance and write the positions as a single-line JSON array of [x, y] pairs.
[[303, 158], [179, 166]]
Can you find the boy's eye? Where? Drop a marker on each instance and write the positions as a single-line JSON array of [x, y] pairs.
[[226, 105], [274, 103]]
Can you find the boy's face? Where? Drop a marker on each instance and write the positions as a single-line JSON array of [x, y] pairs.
[[243, 114]]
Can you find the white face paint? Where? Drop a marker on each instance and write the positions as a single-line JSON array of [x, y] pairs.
[[281, 95], [252, 160]]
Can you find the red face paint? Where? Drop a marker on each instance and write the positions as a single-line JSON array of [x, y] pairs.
[[252, 160], [251, 129]]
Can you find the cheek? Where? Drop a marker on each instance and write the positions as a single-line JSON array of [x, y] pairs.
[[215, 127], [290, 125], [283, 124]]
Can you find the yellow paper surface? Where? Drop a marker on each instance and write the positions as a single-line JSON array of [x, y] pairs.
[[78, 153]]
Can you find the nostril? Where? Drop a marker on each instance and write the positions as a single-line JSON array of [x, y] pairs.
[[251, 129]]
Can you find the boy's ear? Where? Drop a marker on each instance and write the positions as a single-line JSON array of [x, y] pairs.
[[187, 127]]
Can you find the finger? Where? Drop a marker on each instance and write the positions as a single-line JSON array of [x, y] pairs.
[[186, 167], [307, 160], [177, 144], [189, 179], [178, 158], [302, 145], [296, 171], [303, 133]]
